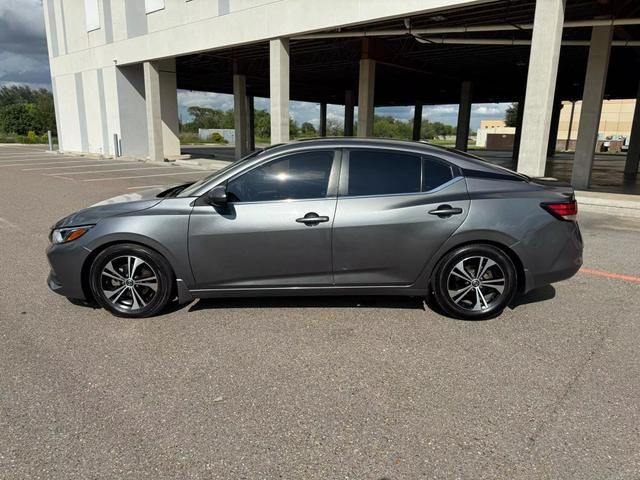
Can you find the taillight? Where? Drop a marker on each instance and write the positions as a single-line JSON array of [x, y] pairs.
[[562, 210]]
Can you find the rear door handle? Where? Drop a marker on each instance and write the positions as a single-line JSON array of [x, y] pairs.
[[312, 218], [444, 211]]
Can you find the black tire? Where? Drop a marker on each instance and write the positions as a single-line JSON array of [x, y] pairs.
[[144, 294], [467, 295]]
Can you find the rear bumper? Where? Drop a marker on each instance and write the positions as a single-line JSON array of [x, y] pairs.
[[557, 260]]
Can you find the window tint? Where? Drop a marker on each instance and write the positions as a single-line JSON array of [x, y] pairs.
[[383, 173], [434, 174], [298, 176]]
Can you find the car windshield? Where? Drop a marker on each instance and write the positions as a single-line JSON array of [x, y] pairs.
[[190, 191]]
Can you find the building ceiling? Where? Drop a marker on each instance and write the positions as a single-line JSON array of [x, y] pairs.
[[408, 70]]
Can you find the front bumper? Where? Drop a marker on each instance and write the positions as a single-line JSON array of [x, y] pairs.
[[65, 277]]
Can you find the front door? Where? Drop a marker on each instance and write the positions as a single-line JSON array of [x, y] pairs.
[[394, 211], [276, 229]]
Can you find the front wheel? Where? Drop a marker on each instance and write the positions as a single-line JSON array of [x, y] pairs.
[[131, 280], [475, 282]]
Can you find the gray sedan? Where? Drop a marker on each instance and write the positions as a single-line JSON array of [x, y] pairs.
[[325, 217]]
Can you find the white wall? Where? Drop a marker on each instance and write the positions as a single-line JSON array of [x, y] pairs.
[[96, 99]]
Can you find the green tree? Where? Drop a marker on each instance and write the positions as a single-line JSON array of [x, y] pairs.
[[389, 127], [262, 124], [18, 118], [511, 115], [294, 129], [308, 130], [24, 109], [334, 128]]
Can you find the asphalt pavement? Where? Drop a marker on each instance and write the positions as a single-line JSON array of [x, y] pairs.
[[307, 388]]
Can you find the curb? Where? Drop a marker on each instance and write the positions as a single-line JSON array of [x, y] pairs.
[[609, 203]]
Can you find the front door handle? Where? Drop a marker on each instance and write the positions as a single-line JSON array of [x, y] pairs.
[[444, 211], [312, 218]]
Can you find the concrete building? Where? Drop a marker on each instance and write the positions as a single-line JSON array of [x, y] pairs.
[[116, 65], [616, 121], [489, 128]]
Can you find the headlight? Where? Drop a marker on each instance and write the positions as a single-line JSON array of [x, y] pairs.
[[65, 235]]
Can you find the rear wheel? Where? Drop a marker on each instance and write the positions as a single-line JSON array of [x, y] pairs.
[[475, 281], [131, 281]]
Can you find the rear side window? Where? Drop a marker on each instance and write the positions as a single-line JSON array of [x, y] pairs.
[[383, 173], [434, 174]]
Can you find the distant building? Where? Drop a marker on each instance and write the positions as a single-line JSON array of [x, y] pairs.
[[495, 135], [613, 130]]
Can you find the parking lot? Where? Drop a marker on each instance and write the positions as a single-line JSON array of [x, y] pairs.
[[307, 388]]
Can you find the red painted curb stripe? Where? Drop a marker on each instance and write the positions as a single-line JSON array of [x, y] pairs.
[[610, 275]]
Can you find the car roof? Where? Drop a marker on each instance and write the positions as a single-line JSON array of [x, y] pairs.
[[463, 160]]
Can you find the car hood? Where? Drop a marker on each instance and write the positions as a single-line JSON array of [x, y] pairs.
[[122, 204]]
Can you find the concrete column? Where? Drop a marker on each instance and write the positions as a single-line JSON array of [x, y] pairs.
[[154, 113], [348, 113], [366, 89], [553, 129], [252, 124], [169, 108], [240, 115], [594, 83], [570, 131], [279, 89], [633, 155], [464, 116], [323, 119], [541, 85], [417, 121], [518, 136]]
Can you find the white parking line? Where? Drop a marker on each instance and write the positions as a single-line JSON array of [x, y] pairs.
[[23, 159], [143, 176], [97, 171], [41, 163], [32, 152], [144, 186], [80, 166]]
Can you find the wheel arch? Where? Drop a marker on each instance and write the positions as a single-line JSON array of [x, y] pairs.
[[503, 242], [86, 266]]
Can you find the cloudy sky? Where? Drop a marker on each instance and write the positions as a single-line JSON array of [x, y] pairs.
[[24, 60]]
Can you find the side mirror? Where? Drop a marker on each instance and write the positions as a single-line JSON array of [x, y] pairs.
[[217, 196]]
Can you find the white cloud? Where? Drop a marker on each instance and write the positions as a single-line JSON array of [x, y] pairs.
[[441, 109], [489, 109]]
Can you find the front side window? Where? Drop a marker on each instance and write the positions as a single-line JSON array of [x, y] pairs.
[[294, 177], [383, 173]]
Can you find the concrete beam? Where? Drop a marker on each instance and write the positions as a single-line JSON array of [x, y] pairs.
[[348, 113], [240, 115], [541, 85], [595, 79], [279, 89], [323, 120], [366, 89], [464, 116], [417, 121], [154, 111], [633, 155]]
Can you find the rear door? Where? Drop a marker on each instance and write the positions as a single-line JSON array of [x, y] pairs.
[[395, 209], [276, 229]]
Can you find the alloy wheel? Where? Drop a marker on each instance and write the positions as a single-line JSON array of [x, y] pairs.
[[476, 283], [129, 283]]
